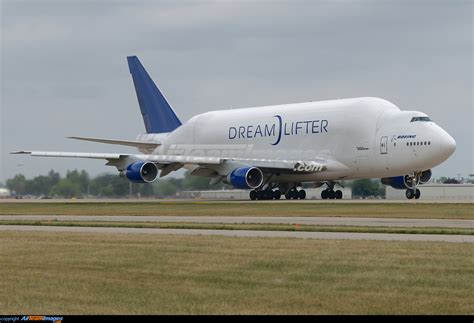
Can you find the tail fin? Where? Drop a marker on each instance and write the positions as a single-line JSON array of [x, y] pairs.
[[157, 113]]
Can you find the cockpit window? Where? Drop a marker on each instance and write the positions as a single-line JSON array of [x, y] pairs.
[[423, 119]]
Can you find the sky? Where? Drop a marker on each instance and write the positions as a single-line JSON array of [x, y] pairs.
[[64, 70]]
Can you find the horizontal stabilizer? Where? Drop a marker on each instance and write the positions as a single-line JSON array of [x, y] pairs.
[[132, 143]]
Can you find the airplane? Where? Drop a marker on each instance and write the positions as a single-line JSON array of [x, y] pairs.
[[273, 150]]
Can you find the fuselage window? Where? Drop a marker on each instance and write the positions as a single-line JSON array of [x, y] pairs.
[[429, 142]]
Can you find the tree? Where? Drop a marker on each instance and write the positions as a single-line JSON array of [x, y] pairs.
[[109, 185], [471, 179], [165, 188], [66, 188], [42, 185], [81, 178], [17, 184], [366, 188]]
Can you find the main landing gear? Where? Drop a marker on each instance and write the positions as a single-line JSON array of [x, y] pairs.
[[295, 194], [330, 193], [267, 194], [271, 194]]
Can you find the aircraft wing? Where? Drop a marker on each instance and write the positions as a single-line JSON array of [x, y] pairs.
[[160, 159], [170, 163]]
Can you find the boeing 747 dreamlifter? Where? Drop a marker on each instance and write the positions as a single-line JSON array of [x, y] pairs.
[[272, 150]]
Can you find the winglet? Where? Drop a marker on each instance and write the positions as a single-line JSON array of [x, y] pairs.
[[158, 115]]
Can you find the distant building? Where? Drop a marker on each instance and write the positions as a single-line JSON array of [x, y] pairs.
[[433, 191], [4, 192]]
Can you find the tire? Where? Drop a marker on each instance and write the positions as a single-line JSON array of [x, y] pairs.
[[324, 194], [302, 194], [288, 195], [332, 195], [276, 194], [409, 194], [338, 194], [294, 194], [267, 195], [417, 194], [253, 195]]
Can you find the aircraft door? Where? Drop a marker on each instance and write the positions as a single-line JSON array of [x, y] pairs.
[[383, 145]]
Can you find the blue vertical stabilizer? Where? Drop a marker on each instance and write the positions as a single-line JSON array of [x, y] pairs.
[[157, 113]]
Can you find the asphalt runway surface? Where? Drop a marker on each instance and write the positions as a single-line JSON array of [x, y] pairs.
[[247, 233], [352, 221]]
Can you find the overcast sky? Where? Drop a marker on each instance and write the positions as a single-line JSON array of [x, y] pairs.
[[64, 69]]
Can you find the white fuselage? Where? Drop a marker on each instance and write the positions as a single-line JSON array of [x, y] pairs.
[[359, 138]]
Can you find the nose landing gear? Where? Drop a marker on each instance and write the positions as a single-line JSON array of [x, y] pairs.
[[413, 193], [411, 181]]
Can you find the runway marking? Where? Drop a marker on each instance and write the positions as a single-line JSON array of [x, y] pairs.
[[249, 233], [349, 221]]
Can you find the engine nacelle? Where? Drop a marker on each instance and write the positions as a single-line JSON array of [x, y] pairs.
[[245, 178], [400, 182], [425, 176], [397, 182], [142, 172]]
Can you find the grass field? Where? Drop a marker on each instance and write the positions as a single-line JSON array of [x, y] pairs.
[[247, 226], [71, 273], [280, 208]]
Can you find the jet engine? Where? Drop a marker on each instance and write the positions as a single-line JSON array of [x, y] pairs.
[[397, 182], [142, 172], [245, 178], [406, 182], [425, 176]]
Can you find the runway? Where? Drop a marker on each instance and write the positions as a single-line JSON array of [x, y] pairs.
[[352, 221], [248, 233]]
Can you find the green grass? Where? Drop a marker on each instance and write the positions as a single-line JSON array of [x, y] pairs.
[[245, 226], [278, 208], [85, 273]]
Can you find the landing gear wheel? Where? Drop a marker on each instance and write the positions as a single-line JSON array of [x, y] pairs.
[[332, 195], [410, 194], [324, 194], [417, 194], [276, 194], [294, 194], [338, 194], [288, 195], [302, 194], [253, 195]]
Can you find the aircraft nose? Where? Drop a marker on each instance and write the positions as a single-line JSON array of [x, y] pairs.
[[449, 145]]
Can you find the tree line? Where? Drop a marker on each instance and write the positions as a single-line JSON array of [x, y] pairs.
[[79, 184]]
